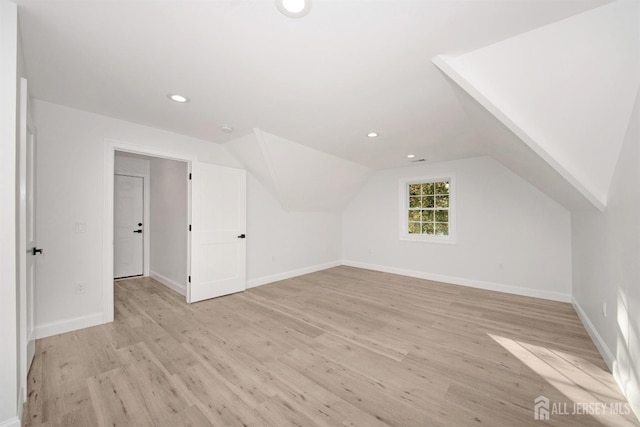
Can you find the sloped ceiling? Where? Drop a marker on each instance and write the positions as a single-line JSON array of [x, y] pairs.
[[505, 146], [566, 90], [543, 86], [323, 81], [301, 178]]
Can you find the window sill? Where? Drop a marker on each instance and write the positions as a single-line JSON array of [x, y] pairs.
[[428, 239]]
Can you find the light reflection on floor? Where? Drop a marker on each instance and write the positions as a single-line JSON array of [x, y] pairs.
[[577, 379]]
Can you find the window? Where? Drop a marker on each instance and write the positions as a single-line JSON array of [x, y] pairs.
[[428, 209]]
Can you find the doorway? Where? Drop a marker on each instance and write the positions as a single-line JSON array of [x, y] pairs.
[[215, 231], [151, 219]]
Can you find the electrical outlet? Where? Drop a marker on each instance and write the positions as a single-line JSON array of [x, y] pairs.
[[604, 309], [80, 287]]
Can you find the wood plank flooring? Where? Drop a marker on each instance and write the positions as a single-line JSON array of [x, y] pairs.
[[341, 347]]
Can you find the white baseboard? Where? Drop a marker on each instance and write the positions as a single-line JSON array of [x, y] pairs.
[[22, 399], [171, 284], [31, 349], [68, 325], [499, 287], [11, 422], [607, 355], [602, 347], [289, 274]]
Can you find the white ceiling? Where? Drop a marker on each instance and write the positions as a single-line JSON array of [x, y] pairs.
[[324, 80], [289, 170], [565, 90]]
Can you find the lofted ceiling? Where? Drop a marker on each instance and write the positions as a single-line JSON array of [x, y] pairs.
[[323, 81], [301, 178], [566, 92]]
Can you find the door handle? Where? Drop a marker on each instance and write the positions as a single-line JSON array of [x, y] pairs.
[[139, 224], [36, 251], [242, 236], [137, 231]]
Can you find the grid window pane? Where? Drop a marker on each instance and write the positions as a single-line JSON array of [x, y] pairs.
[[428, 208], [428, 202], [427, 188], [428, 228], [442, 188], [442, 229], [442, 216], [442, 201], [427, 215]]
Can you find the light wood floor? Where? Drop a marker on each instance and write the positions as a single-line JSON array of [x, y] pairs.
[[343, 347]]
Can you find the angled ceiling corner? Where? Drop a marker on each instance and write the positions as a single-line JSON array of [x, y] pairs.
[[566, 90], [248, 150], [301, 178]]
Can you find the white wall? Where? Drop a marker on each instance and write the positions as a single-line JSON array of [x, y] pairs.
[[70, 189], [285, 244], [310, 180], [71, 162], [124, 164], [606, 269], [301, 178], [8, 285], [501, 219], [169, 223]]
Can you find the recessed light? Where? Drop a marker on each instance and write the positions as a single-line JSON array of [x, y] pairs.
[[410, 156], [178, 98], [372, 134], [226, 129], [294, 8]]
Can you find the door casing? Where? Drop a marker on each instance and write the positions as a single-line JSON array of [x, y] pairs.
[[110, 148]]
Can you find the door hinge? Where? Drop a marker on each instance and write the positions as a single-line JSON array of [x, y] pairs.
[[189, 175], [189, 227], [189, 279]]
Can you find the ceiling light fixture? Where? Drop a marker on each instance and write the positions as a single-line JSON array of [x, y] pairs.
[[294, 8], [372, 134], [410, 156], [226, 129], [178, 98]]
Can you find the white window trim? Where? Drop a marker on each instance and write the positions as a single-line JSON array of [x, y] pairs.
[[404, 208]]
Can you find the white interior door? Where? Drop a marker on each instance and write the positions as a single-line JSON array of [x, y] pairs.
[[27, 231], [218, 244], [128, 244]]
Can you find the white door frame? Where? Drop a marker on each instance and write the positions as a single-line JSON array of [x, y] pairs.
[[146, 217], [110, 148], [27, 306]]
